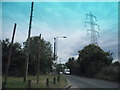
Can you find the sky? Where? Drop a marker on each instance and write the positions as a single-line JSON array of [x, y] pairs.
[[57, 19]]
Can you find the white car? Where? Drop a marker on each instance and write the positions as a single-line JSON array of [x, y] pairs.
[[61, 72], [67, 71]]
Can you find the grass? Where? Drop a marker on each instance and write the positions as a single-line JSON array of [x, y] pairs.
[[62, 83], [15, 82]]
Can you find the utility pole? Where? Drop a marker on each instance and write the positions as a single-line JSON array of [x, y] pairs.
[[60, 65], [54, 47], [28, 44], [94, 33], [38, 64], [9, 57], [54, 53]]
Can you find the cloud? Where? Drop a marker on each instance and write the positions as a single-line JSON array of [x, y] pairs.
[[108, 40], [74, 42], [58, 19]]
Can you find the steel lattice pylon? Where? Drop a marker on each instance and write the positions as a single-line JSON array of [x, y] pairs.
[[94, 33]]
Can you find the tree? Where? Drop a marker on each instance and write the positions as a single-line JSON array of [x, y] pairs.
[[17, 58], [111, 72], [45, 52], [92, 58], [60, 68], [5, 52], [70, 63], [73, 65]]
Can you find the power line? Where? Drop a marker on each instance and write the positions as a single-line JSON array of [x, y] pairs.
[[110, 13]]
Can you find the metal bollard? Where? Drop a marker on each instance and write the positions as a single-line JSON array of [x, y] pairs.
[[29, 84], [47, 82], [54, 80]]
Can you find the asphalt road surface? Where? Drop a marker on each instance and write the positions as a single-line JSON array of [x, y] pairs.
[[83, 82]]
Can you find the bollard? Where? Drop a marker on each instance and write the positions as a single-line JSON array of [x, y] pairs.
[[54, 80], [3, 85], [47, 82], [29, 84]]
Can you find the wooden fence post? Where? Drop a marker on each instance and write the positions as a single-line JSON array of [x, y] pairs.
[[47, 82], [58, 78], [3, 85], [54, 80], [29, 84]]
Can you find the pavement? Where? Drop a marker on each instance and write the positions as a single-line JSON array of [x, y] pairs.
[[83, 82]]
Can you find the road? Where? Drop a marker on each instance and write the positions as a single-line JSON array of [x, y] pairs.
[[83, 82]]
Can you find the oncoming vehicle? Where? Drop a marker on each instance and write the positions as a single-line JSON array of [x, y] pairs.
[[67, 71]]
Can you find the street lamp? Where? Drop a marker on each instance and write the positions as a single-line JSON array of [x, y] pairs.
[[55, 47], [61, 37], [60, 60]]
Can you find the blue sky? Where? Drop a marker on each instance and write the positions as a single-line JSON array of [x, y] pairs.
[[54, 19]]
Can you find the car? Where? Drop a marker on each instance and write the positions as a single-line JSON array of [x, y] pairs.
[[61, 72], [67, 71]]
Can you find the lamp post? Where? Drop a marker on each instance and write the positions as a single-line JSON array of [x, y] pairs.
[[60, 60], [55, 50], [55, 46]]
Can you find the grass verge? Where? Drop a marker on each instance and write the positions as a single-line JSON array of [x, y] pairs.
[[15, 82]]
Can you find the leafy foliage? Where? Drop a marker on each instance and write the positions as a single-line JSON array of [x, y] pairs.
[[94, 62], [40, 46], [92, 58], [18, 57]]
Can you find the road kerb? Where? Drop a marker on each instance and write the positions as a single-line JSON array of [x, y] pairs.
[[68, 86]]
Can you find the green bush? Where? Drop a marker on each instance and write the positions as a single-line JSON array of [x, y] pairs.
[[109, 73]]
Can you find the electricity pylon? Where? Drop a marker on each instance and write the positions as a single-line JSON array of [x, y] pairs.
[[94, 33]]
